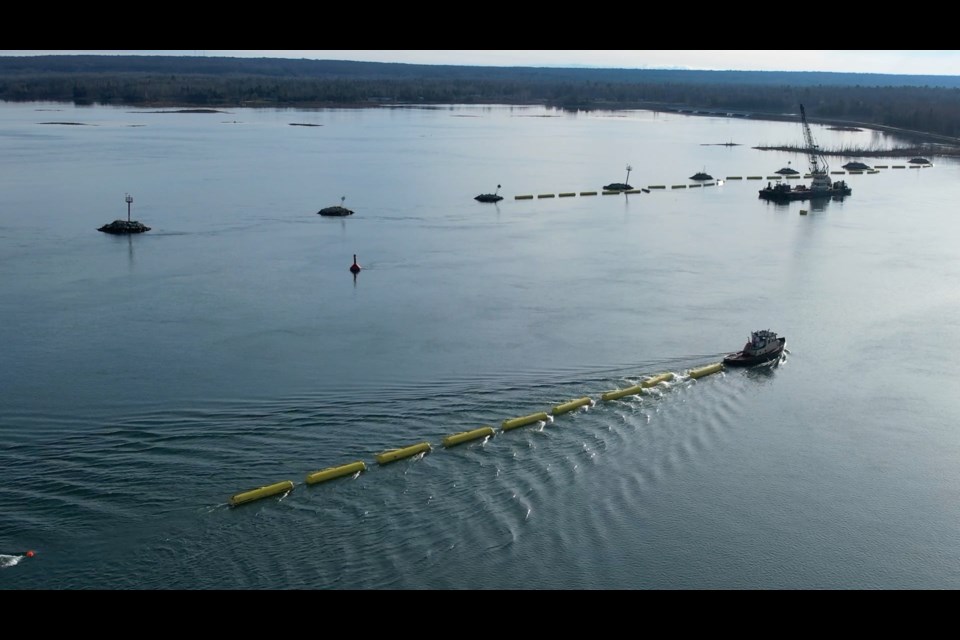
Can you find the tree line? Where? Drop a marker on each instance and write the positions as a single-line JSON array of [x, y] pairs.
[[924, 104]]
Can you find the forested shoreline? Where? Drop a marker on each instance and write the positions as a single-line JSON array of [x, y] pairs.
[[927, 107]]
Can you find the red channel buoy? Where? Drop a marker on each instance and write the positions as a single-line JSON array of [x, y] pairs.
[[355, 268]]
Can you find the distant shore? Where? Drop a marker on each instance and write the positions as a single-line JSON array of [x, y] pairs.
[[926, 143], [917, 136]]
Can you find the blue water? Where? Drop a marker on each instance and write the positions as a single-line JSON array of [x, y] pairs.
[[146, 379]]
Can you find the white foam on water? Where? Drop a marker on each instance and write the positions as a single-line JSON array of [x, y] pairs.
[[9, 561]]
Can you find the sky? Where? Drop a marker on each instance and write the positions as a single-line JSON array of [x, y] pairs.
[[892, 61]]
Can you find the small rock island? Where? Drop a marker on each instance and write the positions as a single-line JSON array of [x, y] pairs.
[[489, 197], [856, 166], [121, 227], [336, 210], [125, 227], [617, 186], [620, 186]]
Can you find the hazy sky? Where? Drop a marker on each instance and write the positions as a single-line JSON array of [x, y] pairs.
[[927, 62]]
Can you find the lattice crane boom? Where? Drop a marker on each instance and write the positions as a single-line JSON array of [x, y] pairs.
[[818, 163]]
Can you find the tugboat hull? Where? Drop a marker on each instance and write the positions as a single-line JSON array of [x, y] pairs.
[[743, 359]]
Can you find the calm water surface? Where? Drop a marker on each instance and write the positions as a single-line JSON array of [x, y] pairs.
[[147, 379]]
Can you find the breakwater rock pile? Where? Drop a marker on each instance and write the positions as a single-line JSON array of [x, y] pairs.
[[120, 227], [335, 211]]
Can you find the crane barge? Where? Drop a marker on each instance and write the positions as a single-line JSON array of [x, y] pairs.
[[821, 186]]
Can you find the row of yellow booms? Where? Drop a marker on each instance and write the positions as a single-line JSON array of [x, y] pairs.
[[392, 455]]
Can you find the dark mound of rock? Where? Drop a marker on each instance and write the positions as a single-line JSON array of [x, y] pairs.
[[335, 211], [617, 186], [856, 166], [120, 227]]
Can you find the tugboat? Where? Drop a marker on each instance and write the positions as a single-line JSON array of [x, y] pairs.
[[821, 186], [763, 346]]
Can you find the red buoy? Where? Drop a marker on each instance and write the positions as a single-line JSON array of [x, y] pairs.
[[355, 268], [29, 554]]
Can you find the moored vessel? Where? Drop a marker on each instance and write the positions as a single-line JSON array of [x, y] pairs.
[[821, 186], [783, 192]]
